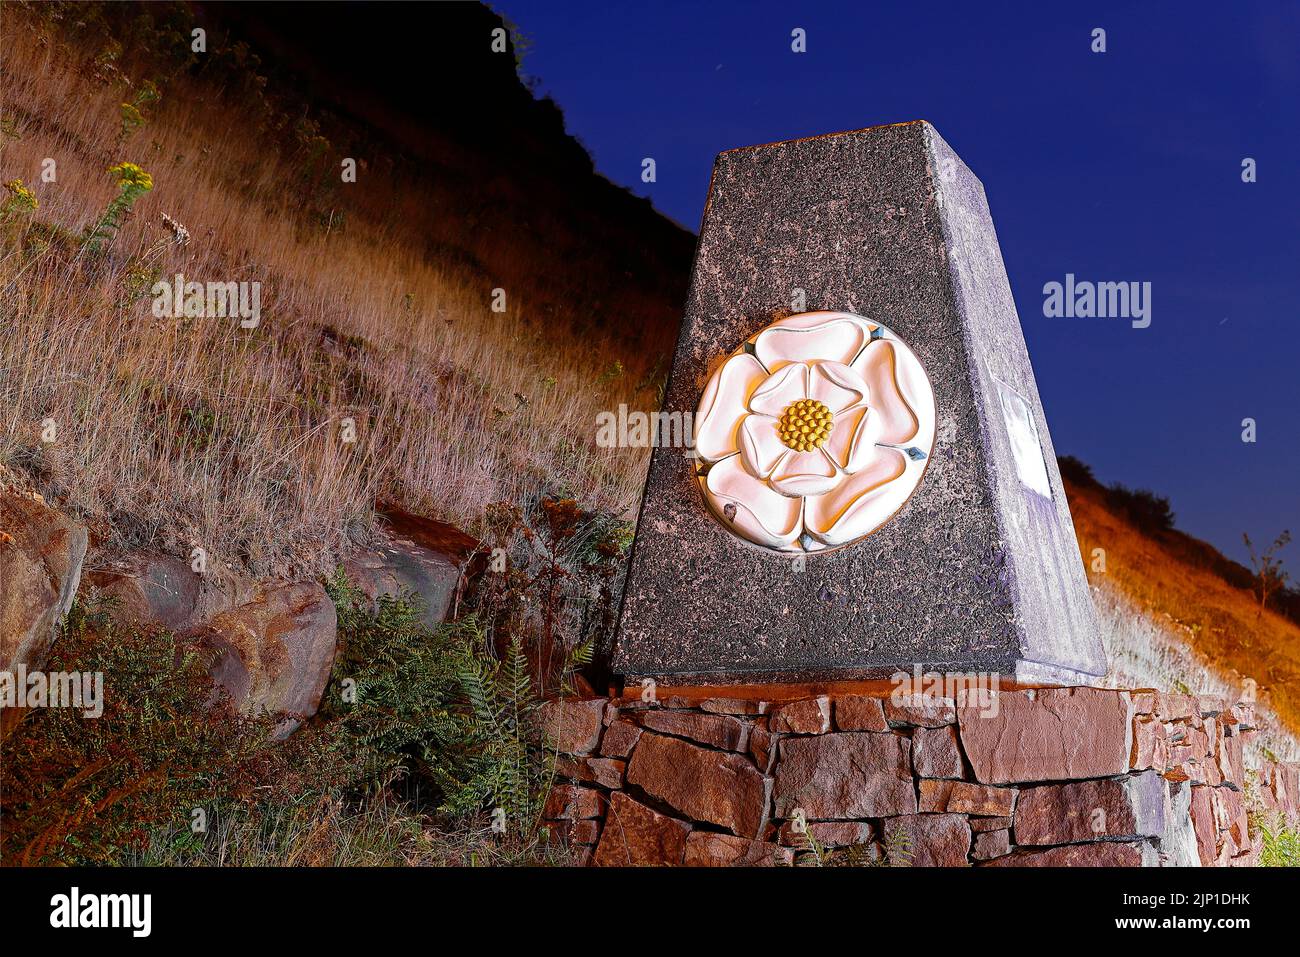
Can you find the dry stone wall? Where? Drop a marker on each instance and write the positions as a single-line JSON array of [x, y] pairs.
[[1029, 777]]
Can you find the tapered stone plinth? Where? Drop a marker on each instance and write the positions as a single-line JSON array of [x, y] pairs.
[[874, 486]]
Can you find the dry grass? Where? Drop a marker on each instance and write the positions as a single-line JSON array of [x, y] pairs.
[[321, 832], [177, 433], [1219, 623]]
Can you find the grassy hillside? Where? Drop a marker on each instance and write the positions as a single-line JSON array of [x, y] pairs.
[[1173, 616], [377, 296]]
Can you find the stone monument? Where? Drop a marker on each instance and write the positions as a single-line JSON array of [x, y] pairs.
[[872, 487]]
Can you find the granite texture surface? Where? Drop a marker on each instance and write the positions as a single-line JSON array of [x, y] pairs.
[[979, 571]]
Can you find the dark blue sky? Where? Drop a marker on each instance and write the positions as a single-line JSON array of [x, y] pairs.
[[1122, 166]]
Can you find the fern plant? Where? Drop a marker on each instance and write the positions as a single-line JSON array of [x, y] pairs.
[[513, 769]]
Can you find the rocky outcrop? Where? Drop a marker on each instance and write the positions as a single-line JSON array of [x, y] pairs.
[[273, 655], [41, 554], [420, 557], [151, 588]]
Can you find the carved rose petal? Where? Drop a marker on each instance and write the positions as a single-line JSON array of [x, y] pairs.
[[851, 439], [837, 386], [761, 515], [897, 422], [723, 405], [805, 473], [861, 502], [760, 444], [782, 388], [812, 336]]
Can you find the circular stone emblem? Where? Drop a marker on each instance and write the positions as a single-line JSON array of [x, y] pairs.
[[814, 432]]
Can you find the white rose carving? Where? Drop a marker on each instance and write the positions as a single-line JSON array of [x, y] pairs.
[[815, 432]]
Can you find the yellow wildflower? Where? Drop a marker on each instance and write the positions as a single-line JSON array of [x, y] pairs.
[[22, 196], [130, 174]]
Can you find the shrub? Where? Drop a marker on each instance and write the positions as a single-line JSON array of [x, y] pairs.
[[88, 790], [421, 736], [1144, 508]]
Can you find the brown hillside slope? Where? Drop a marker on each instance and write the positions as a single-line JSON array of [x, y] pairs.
[[377, 297], [1221, 622]]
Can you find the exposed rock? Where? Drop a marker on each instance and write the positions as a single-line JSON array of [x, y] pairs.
[[828, 833], [569, 802], [860, 713], [721, 788], [1096, 854], [936, 754], [1144, 701], [1197, 743], [275, 653], [707, 849], [1130, 807], [734, 706], [418, 556], [715, 730], [919, 711], [607, 772], [1204, 826], [981, 824], [845, 776], [991, 844], [962, 797], [151, 588], [1047, 735], [809, 716], [1231, 813], [1176, 707], [1212, 704], [1150, 745], [931, 840], [1178, 842], [1243, 714], [762, 746], [1228, 759], [639, 836], [619, 740], [572, 833], [41, 552], [573, 725]]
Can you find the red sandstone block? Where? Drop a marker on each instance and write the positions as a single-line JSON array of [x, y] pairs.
[[1048, 735], [809, 716]]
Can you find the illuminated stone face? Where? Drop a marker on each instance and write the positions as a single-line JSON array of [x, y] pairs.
[[814, 433]]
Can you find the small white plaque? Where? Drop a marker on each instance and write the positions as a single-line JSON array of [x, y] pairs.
[[1026, 450]]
